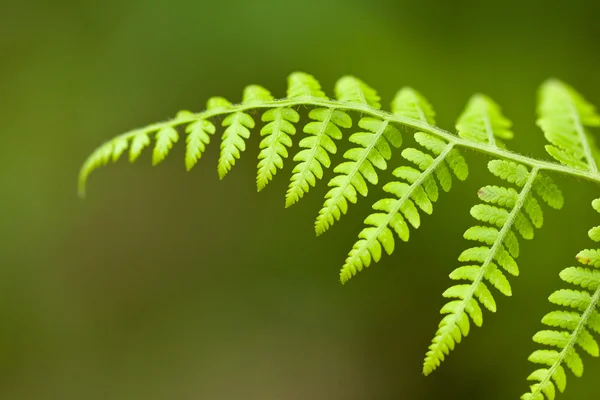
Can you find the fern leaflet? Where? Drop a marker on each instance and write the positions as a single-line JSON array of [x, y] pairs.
[[411, 104], [273, 147], [564, 116], [237, 130], [506, 211], [324, 129], [199, 133], [483, 122]]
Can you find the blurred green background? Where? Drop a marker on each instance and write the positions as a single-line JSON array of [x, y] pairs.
[[163, 284]]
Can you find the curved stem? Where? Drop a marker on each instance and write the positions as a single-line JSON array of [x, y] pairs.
[[384, 115]]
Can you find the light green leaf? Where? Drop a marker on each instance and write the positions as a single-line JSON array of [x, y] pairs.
[[411, 104], [301, 84], [483, 122], [353, 90], [199, 133], [565, 116]]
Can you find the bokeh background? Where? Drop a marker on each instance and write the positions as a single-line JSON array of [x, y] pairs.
[[163, 284]]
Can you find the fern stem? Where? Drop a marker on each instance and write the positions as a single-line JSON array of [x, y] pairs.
[[572, 341], [592, 175]]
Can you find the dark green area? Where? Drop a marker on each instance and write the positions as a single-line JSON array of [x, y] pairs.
[[171, 285]]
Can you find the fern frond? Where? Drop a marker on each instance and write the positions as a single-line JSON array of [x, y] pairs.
[[303, 85], [482, 121], [237, 130], [416, 190], [199, 133], [352, 175], [564, 116], [507, 211], [136, 141], [274, 146], [324, 128], [165, 138], [349, 89], [410, 103], [569, 329]]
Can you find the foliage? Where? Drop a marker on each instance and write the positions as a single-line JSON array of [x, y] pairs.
[[506, 214]]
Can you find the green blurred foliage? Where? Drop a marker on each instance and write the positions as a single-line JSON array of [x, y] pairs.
[[169, 285]]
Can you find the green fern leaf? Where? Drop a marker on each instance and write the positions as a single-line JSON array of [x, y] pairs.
[[548, 191], [483, 122], [301, 85], [506, 210], [565, 116], [594, 234], [199, 133], [411, 104], [505, 197], [119, 146], [138, 143], [232, 142], [570, 298], [217, 103], [353, 175], [324, 128], [165, 138], [276, 140], [353, 90], [256, 94], [237, 130], [566, 157], [596, 205], [509, 171], [100, 157], [589, 257], [574, 328], [586, 278], [410, 195]]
